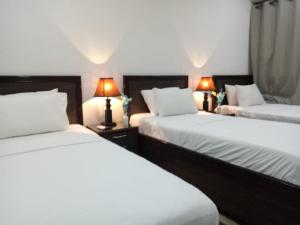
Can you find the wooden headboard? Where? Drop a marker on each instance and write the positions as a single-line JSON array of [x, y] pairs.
[[68, 84], [221, 80], [134, 84]]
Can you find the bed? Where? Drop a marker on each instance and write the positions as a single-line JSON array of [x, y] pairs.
[[247, 195], [269, 111], [276, 154], [274, 112], [76, 177]]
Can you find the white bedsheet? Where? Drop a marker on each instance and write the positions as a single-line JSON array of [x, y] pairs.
[[274, 112], [136, 119], [267, 147], [78, 178], [227, 109]]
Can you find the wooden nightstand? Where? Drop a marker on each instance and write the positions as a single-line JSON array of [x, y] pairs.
[[120, 135]]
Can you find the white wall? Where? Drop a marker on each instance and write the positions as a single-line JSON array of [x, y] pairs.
[[96, 38]]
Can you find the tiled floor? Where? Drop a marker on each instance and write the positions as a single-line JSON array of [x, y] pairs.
[[226, 221]]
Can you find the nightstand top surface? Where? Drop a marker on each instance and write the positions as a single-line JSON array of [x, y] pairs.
[[120, 127]]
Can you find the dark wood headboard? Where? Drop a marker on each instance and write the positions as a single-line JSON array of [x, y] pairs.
[[134, 84], [221, 80], [68, 84]]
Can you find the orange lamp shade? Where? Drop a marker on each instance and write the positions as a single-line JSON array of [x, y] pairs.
[[206, 84], [107, 88]]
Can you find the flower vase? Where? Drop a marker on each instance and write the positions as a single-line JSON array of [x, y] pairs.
[[125, 120], [125, 116], [218, 109]]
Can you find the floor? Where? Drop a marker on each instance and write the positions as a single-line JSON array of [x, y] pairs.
[[226, 221]]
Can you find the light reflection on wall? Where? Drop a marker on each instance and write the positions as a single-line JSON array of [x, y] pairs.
[[198, 60], [95, 48], [90, 27], [108, 34], [202, 35], [95, 54], [199, 50]]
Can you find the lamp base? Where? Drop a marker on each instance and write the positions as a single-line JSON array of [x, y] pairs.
[[205, 102], [108, 115], [113, 124]]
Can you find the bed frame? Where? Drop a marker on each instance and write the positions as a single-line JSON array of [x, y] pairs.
[[246, 196], [68, 84], [221, 80], [134, 84]]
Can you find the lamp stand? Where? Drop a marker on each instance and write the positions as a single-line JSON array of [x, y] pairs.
[[108, 115], [205, 102]]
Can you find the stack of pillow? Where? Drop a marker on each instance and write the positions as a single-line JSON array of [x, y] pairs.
[[170, 101], [244, 95], [33, 113]]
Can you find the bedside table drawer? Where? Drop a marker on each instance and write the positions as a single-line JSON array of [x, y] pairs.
[[128, 139], [118, 138]]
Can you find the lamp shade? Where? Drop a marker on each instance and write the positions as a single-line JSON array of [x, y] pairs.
[[206, 84], [107, 88]]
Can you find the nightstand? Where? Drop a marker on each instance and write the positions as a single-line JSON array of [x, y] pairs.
[[120, 135]]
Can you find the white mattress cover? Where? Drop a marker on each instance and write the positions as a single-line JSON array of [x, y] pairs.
[[136, 119], [227, 109], [274, 112], [267, 147], [76, 178]]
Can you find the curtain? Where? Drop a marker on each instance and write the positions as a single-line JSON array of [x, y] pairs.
[[275, 49]]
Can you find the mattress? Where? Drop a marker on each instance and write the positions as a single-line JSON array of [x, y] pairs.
[[274, 112], [76, 177], [267, 147], [227, 109]]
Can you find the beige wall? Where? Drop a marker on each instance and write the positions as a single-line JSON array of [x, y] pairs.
[[95, 38]]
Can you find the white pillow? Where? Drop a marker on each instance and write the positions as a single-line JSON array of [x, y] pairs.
[[231, 94], [175, 101], [249, 95], [149, 98], [32, 114]]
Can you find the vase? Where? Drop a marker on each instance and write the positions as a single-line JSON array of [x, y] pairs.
[[125, 120], [218, 109]]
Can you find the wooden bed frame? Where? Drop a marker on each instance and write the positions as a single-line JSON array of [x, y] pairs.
[[68, 84], [244, 195], [221, 80]]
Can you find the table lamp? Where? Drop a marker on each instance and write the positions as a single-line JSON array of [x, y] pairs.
[[206, 85], [107, 88]]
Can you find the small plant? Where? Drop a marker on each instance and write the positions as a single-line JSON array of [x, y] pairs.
[[220, 96]]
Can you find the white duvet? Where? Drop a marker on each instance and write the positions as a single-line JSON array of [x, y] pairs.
[[267, 147], [78, 178], [274, 112]]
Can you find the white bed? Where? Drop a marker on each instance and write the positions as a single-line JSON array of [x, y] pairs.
[[75, 177], [267, 147], [274, 112]]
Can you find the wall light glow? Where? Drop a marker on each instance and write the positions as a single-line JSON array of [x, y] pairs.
[[198, 60], [90, 27], [94, 48], [96, 56]]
